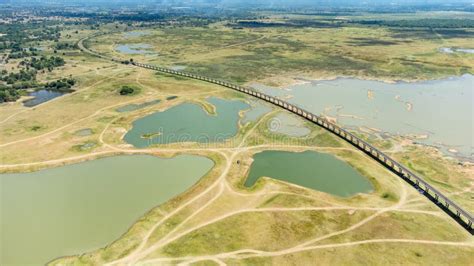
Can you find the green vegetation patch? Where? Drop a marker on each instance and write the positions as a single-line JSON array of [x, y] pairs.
[[261, 230], [129, 90], [86, 146]]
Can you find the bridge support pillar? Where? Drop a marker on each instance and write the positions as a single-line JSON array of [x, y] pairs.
[[407, 176]]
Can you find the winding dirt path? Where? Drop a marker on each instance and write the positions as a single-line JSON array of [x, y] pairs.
[[251, 253], [220, 186]]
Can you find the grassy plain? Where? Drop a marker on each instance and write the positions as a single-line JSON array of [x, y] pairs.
[[271, 54], [218, 220]]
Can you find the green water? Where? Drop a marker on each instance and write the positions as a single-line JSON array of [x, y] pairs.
[[187, 122], [309, 169], [82, 207]]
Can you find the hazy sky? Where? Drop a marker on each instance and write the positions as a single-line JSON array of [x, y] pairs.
[[267, 3]]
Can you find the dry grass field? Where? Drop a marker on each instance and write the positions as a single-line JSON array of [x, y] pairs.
[[270, 54], [219, 221]]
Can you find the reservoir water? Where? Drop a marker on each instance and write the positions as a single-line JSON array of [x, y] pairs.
[[77, 208], [41, 96], [188, 122], [288, 124], [258, 110], [309, 169], [437, 113]]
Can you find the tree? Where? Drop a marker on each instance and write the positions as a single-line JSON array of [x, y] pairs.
[[126, 90]]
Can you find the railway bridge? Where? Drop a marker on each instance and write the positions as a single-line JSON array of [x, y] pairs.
[[458, 213]]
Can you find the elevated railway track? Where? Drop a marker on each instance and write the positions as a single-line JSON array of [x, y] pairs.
[[458, 213]]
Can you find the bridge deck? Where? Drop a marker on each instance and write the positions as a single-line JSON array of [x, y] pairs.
[[457, 212]]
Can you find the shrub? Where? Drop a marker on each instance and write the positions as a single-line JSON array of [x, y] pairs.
[[126, 90]]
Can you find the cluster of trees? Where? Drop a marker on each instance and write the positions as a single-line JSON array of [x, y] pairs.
[[12, 83], [21, 54], [12, 92], [18, 52], [22, 76], [26, 78], [43, 63], [64, 84], [16, 42], [8, 94], [330, 23], [18, 35], [199, 17], [126, 90], [64, 46], [420, 23]]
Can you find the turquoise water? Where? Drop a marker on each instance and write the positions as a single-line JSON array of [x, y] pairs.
[[77, 208], [187, 122], [309, 169]]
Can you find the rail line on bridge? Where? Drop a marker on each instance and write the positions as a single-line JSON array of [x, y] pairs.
[[459, 214]]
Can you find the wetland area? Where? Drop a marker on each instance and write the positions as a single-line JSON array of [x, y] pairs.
[[435, 113], [144, 167]]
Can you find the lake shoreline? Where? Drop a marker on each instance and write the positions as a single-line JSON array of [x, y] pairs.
[[413, 107], [282, 82], [203, 163]]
